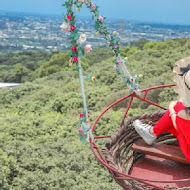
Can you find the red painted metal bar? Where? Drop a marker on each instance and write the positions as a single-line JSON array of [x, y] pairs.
[[145, 94], [143, 98], [150, 102], [102, 160], [102, 136], [158, 187], [131, 177], [113, 104], [97, 119], [157, 87], [99, 152], [126, 111], [124, 187]]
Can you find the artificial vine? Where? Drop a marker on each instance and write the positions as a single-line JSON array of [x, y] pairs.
[[77, 51]]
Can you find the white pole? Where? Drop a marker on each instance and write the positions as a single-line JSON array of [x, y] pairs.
[[89, 134], [82, 88]]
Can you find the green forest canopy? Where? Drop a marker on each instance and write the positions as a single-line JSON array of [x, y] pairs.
[[39, 147]]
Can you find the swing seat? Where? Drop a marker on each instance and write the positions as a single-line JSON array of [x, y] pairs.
[[160, 150], [135, 165], [127, 152]]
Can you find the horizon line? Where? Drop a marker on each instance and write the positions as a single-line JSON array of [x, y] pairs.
[[108, 18]]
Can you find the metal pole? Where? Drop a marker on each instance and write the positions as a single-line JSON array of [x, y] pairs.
[[82, 88], [89, 134]]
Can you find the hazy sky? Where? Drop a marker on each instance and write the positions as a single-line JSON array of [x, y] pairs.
[[166, 11]]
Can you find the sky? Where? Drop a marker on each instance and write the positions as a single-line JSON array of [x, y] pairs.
[[162, 11]]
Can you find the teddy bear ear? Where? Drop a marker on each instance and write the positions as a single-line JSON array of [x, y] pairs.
[[176, 70], [183, 62]]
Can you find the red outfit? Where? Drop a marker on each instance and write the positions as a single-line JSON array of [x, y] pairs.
[[182, 133]]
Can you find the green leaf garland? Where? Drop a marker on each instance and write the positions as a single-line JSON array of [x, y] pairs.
[[77, 51]]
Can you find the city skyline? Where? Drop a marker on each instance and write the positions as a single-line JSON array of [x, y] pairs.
[[35, 32], [162, 11]]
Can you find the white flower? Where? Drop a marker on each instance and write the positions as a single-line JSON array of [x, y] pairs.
[[82, 1], [87, 48], [70, 62], [82, 38], [65, 26]]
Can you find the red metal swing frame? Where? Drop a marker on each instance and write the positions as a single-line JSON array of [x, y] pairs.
[[99, 155]]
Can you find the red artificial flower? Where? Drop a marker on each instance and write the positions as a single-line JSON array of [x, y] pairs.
[[81, 115], [75, 59], [72, 28], [69, 17], [74, 48], [80, 130]]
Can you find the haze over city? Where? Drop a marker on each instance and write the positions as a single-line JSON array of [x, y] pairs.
[[162, 11], [35, 25]]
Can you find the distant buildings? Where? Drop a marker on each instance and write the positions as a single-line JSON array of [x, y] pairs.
[[24, 32]]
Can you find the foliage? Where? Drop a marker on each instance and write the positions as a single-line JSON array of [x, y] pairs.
[[77, 51], [141, 43], [25, 62], [39, 147]]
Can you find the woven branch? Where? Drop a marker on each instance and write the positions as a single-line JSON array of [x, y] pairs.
[[118, 152]]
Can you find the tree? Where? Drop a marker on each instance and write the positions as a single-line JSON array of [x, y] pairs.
[[141, 42], [19, 73]]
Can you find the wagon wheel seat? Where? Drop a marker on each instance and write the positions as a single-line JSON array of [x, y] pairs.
[[132, 163]]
